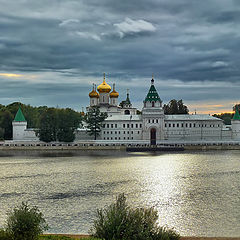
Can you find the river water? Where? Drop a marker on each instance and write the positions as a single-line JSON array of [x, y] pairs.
[[196, 193]]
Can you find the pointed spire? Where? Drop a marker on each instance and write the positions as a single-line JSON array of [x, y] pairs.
[[236, 114], [152, 95], [128, 100], [103, 77], [152, 81], [19, 116]]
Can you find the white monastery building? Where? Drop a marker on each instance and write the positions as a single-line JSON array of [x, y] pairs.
[[124, 124]]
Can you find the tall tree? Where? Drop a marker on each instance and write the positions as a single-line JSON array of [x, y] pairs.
[[175, 107], [58, 125], [48, 126], [94, 119], [236, 105], [68, 122], [6, 119]]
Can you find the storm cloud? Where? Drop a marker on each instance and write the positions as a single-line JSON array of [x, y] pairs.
[[59, 48]]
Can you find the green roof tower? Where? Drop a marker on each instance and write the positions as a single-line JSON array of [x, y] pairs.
[[236, 114], [19, 125], [152, 99], [19, 116], [152, 95]]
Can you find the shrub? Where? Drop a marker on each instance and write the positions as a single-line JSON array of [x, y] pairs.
[[4, 235], [120, 222], [25, 223]]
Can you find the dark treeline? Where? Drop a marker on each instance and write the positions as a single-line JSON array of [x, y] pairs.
[[227, 117], [65, 121], [175, 107]]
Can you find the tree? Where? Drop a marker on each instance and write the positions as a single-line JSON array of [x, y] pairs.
[[25, 223], [122, 222], [226, 117], [68, 122], [236, 105], [6, 119], [48, 126], [94, 119], [175, 107], [58, 125], [1, 134]]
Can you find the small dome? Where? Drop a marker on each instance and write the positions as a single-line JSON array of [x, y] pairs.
[[93, 93], [104, 87], [114, 93]]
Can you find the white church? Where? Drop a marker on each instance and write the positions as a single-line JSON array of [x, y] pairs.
[[152, 126]]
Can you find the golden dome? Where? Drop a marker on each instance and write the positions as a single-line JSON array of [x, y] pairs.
[[114, 93], [104, 87], [93, 93]]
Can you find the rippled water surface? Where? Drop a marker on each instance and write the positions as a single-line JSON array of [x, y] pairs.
[[197, 193]]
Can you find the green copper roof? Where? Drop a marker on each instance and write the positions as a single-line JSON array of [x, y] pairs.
[[152, 95], [236, 115], [19, 116]]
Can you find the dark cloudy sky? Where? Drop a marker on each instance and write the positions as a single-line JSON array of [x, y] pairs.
[[51, 51]]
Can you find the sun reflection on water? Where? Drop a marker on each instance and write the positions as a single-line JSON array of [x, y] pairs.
[[197, 193]]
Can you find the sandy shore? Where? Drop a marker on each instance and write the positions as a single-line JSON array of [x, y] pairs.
[[82, 236]]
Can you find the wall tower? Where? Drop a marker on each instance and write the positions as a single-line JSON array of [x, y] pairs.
[[236, 125], [153, 116], [19, 125]]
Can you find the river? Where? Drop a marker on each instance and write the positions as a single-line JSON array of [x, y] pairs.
[[196, 193]]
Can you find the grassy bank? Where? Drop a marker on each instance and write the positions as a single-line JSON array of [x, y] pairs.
[[65, 237], [85, 237]]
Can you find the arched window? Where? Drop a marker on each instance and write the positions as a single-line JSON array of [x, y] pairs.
[[127, 112], [152, 104]]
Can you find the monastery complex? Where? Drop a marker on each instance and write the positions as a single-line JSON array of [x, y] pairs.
[[123, 124]]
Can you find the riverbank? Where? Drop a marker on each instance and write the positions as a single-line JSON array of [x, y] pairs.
[[22, 148], [82, 236]]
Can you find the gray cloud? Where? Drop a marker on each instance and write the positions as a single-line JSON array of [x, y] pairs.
[[69, 44]]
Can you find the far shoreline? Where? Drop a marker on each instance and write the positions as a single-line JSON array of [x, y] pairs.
[[20, 147]]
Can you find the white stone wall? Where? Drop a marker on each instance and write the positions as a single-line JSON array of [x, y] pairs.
[[81, 134], [122, 130], [30, 134], [235, 129], [18, 130], [193, 130]]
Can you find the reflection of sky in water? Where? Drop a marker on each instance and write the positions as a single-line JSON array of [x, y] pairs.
[[197, 193]]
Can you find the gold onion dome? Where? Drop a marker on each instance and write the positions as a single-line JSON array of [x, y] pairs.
[[104, 87], [114, 93], [94, 93]]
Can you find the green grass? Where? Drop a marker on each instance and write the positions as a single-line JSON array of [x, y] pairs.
[[53, 237], [56, 237]]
